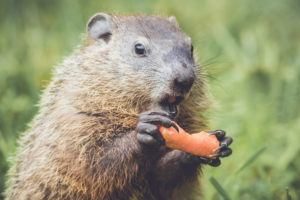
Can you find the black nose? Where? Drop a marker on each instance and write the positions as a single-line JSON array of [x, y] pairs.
[[183, 82]]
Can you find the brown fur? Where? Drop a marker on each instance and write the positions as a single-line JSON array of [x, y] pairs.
[[82, 144]]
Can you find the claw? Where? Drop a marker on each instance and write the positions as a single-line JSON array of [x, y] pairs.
[[148, 126], [174, 125], [221, 148], [227, 141], [225, 153], [215, 162], [218, 133]]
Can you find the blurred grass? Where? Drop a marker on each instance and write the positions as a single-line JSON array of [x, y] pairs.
[[251, 49]]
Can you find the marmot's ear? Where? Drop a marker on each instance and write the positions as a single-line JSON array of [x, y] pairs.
[[173, 20], [100, 27]]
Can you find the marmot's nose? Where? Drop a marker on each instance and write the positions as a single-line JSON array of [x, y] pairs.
[[183, 82]]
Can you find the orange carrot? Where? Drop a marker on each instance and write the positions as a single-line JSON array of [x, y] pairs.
[[201, 144]]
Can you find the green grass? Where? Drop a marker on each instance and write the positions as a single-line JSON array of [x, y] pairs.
[[250, 48]]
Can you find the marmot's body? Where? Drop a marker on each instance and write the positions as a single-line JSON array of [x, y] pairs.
[[84, 144]]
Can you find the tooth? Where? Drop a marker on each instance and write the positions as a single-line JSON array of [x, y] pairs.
[[173, 109]]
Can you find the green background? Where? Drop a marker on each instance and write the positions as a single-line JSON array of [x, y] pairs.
[[251, 49]]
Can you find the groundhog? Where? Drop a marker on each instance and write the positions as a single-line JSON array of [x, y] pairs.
[[96, 133]]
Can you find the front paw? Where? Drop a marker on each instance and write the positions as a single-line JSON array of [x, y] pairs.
[[223, 150], [148, 127]]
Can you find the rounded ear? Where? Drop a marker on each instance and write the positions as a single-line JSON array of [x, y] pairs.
[[173, 20], [100, 27]]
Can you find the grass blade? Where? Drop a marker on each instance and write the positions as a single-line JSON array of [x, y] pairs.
[[288, 196], [251, 159], [219, 188]]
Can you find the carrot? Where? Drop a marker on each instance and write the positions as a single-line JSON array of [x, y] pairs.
[[201, 144]]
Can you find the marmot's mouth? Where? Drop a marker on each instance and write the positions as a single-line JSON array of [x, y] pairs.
[[170, 104]]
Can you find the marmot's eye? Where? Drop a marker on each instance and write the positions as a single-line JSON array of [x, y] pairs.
[[140, 49]]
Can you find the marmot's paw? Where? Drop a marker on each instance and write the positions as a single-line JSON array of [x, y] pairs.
[[148, 127], [223, 151]]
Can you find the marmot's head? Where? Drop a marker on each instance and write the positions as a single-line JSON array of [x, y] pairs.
[[145, 61]]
